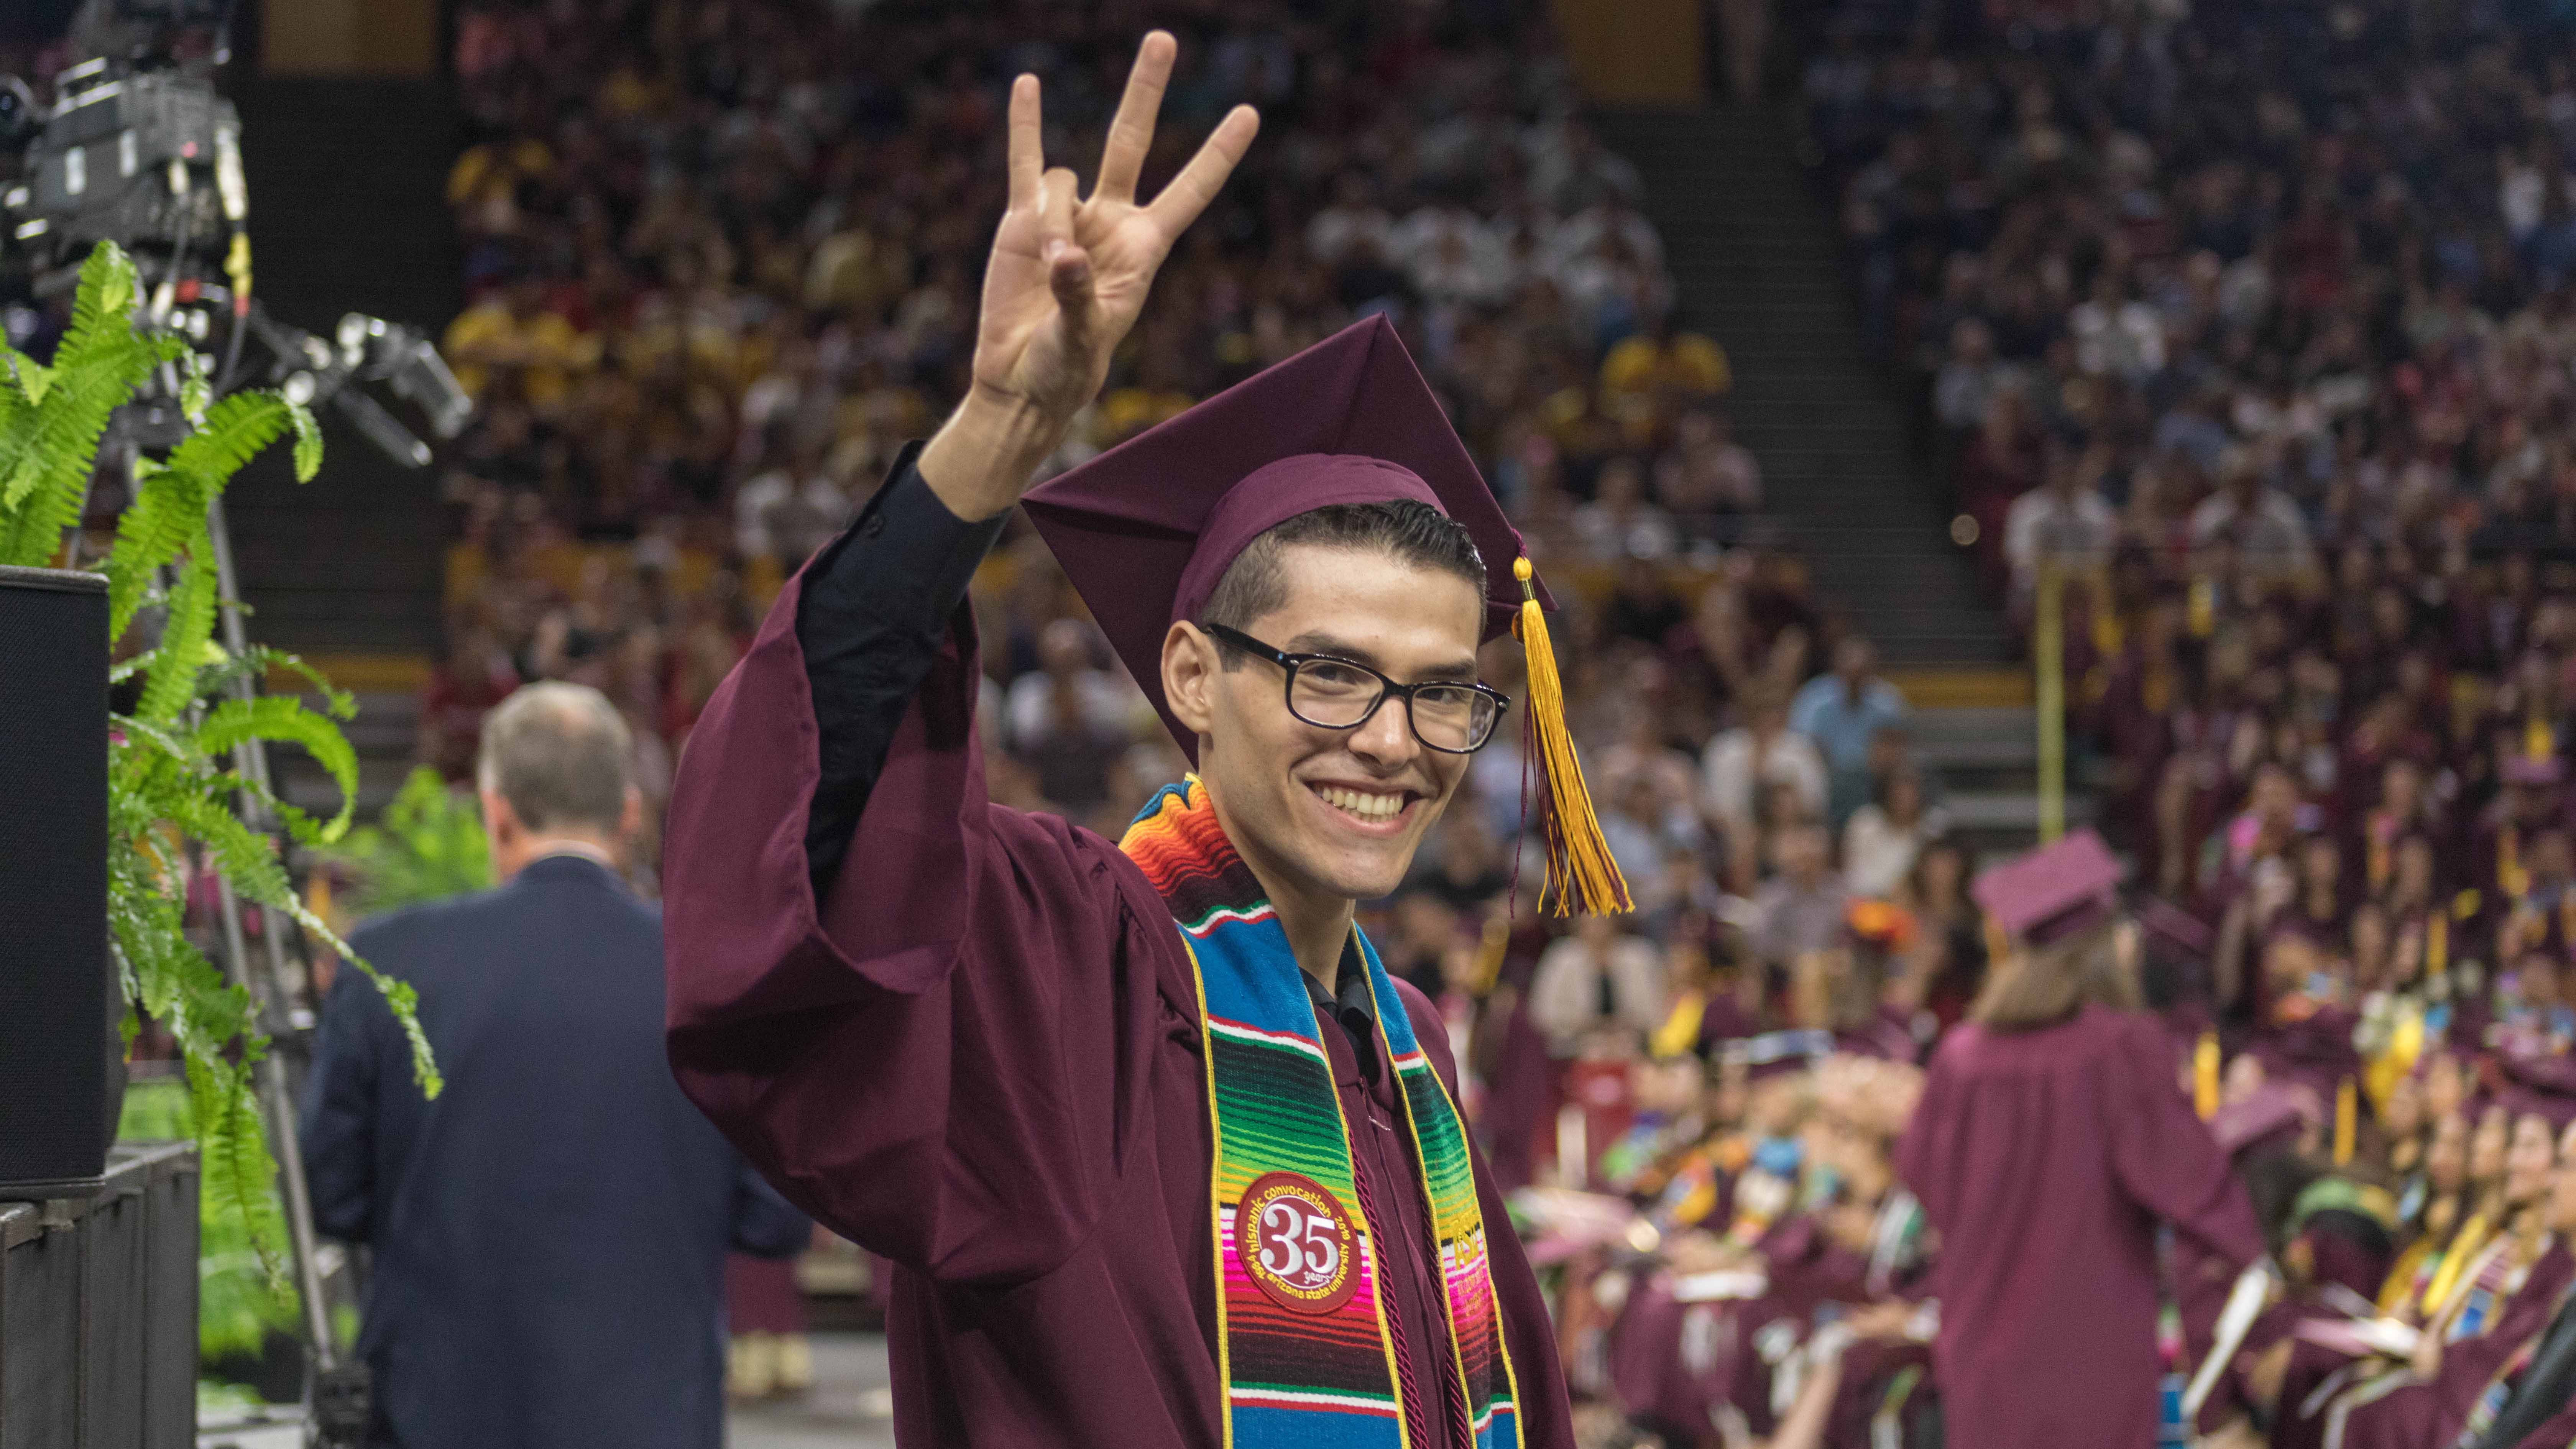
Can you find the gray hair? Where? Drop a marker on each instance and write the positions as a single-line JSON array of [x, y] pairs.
[[559, 754]]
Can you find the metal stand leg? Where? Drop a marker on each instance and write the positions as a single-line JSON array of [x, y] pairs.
[[336, 1393]]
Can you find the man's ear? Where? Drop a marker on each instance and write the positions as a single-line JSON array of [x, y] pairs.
[[1189, 677], [630, 819], [499, 820]]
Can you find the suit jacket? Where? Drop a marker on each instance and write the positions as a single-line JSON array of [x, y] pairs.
[[549, 1235]]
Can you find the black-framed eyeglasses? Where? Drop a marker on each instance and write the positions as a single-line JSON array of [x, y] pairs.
[[1332, 693]]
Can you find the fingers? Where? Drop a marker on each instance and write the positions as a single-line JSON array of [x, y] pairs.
[[1199, 182], [1131, 132], [1025, 157], [1069, 277], [1056, 206]]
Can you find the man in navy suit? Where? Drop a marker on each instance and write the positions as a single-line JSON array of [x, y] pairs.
[[549, 1235]]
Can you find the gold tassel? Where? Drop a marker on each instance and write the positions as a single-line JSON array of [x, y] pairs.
[[1580, 873], [2346, 1112], [1491, 947], [2204, 1076], [1680, 1030]]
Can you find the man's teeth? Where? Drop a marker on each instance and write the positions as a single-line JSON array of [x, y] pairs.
[[1370, 807]]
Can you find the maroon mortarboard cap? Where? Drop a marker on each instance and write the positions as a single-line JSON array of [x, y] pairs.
[[2053, 892], [2525, 770], [2556, 1109], [2262, 1115], [2540, 1081], [2170, 930], [1147, 529]]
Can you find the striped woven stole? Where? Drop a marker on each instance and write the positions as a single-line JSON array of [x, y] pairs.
[[1305, 1350]]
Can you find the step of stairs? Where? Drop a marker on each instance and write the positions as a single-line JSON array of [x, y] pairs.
[[1759, 265], [348, 214]]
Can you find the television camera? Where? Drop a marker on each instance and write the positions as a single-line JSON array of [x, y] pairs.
[[140, 149]]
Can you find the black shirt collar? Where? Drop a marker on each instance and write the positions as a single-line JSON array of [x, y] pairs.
[[1350, 991], [1350, 1003]]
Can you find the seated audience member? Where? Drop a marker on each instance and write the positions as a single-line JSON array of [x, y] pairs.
[[1883, 837], [1599, 978], [1799, 911], [1843, 712], [1743, 762]]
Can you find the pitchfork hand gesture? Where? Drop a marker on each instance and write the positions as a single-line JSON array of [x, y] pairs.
[[1067, 277]]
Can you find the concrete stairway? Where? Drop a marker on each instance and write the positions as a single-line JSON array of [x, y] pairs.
[[1759, 265], [1758, 262], [1985, 761], [347, 182], [347, 214]]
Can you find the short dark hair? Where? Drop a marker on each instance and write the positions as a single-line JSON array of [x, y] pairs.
[[1404, 529]]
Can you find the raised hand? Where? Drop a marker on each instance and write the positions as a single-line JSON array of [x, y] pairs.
[[1067, 278]]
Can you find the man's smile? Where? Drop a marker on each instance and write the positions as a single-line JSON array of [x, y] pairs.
[[1373, 809]]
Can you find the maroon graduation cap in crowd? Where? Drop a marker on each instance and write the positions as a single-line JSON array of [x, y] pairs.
[[2271, 1113], [1147, 529], [2052, 893]]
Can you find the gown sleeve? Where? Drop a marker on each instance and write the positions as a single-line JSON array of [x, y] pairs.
[[2164, 1157], [933, 1050]]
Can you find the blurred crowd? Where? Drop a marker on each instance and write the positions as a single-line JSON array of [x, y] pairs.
[[2241, 338], [722, 261], [2251, 328]]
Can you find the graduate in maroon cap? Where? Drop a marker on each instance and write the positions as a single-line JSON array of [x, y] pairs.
[[1160, 1153], [2050, 1140]]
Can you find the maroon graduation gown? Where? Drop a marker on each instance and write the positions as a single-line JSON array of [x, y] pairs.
[[2432, 1413], [2045, 1159], [978, 1055]]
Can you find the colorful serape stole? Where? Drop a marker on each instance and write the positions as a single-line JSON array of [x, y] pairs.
[[1302, 1339], [2501, 1388]]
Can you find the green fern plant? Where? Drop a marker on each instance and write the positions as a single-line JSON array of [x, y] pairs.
[[238, 1304], [174, 793], [428, 846]]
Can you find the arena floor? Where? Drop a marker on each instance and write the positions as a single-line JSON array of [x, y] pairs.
[[849, 1406]]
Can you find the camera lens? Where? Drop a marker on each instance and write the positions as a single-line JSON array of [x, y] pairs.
[[18, 119]]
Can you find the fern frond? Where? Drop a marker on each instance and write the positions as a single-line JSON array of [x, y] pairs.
[[167, 515], [49, 453], [170, 683], [102, 306], [30, 377], [259, 661], [246, 859], [233, 433], [283, 717], [234, 1162], [308, 441]]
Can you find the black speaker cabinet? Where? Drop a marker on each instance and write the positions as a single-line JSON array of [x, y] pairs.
[[60, 1062], [98, 1310]]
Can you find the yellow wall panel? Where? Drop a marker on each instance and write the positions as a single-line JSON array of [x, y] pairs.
[[349, 37], [1634, 52]]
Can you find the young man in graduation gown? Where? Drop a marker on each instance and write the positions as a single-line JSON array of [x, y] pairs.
[[1161, 1155]]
